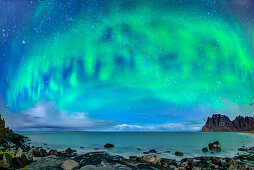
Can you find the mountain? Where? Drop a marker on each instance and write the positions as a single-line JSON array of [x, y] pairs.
[[221, 123]]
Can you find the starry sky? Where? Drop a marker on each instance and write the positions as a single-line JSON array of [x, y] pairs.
[[155, 65]]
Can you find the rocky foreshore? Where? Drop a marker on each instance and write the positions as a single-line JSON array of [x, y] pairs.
[[15, 156], [16, 153]]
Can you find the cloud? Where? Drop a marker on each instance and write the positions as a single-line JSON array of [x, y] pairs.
[[162, 127], [45, 116]]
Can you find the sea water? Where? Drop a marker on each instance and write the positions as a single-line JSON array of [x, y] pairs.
[[135, 143]]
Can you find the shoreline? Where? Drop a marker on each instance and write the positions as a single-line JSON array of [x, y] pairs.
[[30, 157]]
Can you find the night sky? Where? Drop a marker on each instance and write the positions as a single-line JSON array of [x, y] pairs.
[[124, 65]]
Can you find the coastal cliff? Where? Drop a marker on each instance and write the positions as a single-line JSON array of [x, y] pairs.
[[221, 123]]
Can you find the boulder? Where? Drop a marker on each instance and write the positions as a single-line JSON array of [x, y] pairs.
[[108, 145], [154, 159], [69, 151], [43, 152], [153, 151], [7, 159], [205, 149], [19, 153], [215, 146], [133, 158], [33, 153], [178, 153], [70, 165]]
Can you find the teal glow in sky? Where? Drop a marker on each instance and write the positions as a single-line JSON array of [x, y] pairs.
[[132, 65]]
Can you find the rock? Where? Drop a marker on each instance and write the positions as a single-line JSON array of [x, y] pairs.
[[133, 158], [43, 152], [146, 152], [167, 151], [46, 163], [178, 153], [172, 167], [82, 147], [70, 165], [154, 159], [189, 160], [88, 167], [182, 164], [216, 160], [232, 167], [68, 151], [25, 159], [215, 146], [108, 145], [232, 162], [205, 149], [7, 159], [33, 153], [222, 123], [19, 153], [153, 151]]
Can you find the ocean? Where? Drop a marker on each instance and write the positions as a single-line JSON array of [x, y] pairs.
[[127, 143]]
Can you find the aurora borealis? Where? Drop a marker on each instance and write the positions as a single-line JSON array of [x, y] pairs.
[[156, 65]]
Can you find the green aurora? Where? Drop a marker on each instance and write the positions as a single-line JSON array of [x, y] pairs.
[[177, 56]]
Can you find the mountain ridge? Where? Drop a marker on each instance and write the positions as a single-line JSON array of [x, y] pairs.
[[222, 123]]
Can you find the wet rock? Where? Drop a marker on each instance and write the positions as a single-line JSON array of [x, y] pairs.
[[178, 153], [108, 145], [70, 165], [82, 147], [146, 152], [205, 149], [189, 161], [167, 151], [154, 159], [68, 151], [43, 152], [215, 146], [153, 151], [133, 158]]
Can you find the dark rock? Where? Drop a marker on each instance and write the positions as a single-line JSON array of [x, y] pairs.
[[178, 153], [108, 145], [68, 151], [167, 151], [7, 159], [139, 149], [43, 152], [215, 146], [153, 151], [146, 152], [205, 149], [133, 158], [82, 147]]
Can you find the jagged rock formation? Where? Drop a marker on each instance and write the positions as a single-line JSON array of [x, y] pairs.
[[221, 123], [7, 134]]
